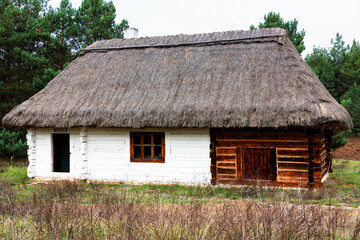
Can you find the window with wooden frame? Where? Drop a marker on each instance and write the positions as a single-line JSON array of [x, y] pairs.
[[147, 147]]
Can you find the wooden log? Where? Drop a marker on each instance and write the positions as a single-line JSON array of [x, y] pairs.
[[292, 152], [303, 166], [225, 150], [226, 176], [225, 170], [292, 170], [293, 174], [293, 159], [263, 144], [226, 164], [293, 179], [231, 158]]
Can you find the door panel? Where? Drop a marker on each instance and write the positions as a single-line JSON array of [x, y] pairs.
[[259, 163]]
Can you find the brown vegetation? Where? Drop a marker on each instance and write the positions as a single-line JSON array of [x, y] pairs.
[[350, 151], [59, 210]]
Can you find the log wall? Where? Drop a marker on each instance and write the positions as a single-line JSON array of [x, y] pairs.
[[301, 157]]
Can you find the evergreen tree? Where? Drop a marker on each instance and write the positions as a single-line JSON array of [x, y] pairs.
[[320, 62], [337, 67], [64, 32], [21, 40], [96, 21], [351, 67], [274, 20], [351, 101]]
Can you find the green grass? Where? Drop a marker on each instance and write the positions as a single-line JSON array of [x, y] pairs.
[[346, 174], [15, 174], [342, 188]]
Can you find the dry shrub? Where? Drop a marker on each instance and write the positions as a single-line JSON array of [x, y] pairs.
[[58, 210]]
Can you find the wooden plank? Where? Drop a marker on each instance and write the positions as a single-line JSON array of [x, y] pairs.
[[259, 140], [293, 174], [262, 144], [226, 170], [239, 163], [291, 170], [226, 158], [291, 136], [292, 152], [293, 159], [226, 164], [225, 150], [292, 179], [300, 166], [227, 176]]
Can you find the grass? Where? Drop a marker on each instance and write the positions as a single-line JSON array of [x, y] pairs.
[[80, 210], [14, 172]]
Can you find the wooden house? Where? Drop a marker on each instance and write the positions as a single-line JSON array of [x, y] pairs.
[[233, 107]]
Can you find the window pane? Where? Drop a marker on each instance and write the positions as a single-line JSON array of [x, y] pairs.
[[147, 152], [137, 152], [157, 139], [137, 139], [157, 152], [147, 139]]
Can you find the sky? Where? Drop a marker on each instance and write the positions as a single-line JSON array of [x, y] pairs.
[[321, 19]]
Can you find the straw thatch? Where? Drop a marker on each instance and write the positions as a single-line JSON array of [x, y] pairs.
[[225, 79]]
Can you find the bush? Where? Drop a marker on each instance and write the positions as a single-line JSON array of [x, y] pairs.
[[338, 140], [12, 143]]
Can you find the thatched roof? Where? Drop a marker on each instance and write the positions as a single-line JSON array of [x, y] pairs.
[[224, 79]]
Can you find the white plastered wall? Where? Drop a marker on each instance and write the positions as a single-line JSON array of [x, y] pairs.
[[104, 154]]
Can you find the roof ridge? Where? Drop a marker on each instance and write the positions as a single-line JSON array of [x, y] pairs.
[[186, 39], [221, 41]]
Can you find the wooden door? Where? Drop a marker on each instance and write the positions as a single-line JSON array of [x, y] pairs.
[[259, 163]]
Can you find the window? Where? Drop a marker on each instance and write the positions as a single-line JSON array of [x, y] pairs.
[[147, 147]]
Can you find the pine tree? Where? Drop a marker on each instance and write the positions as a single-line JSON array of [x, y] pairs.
[[96, 21], [64, 32], [273, 19], [21, 40]]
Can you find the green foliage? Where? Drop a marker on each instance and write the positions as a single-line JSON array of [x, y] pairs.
[[11, 144], [96, 21], [338, 140], [338, 67], [320, 62], [40, 83], [10, 96], [21, 40], [64, 32], [351, 101], [36, 43], [273, 19]]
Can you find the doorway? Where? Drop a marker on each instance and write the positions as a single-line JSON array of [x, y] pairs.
[[61, 152]]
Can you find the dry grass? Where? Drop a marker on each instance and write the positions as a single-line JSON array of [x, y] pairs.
[[79, 210], [76, 210]]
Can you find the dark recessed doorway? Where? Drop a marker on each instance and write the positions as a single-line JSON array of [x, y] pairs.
[[61, 152]]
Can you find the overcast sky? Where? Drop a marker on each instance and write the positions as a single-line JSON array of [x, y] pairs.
[[321, 19]]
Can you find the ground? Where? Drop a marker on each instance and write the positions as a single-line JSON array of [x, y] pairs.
[[350, 151], [80, 210]]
